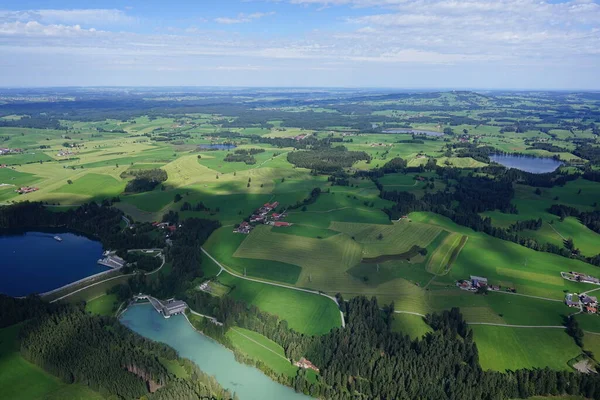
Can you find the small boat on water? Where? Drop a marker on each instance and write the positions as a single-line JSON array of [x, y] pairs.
[[58, 238]]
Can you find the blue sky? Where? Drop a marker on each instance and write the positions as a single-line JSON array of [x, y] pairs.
[[514, 44]]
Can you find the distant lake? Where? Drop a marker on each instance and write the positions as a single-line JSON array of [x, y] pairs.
[[413, 132], [535, 165], [211, 357], [34, 262], [222, 146]]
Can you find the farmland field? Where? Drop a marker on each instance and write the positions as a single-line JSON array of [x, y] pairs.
[[374, 209], [502, 348]]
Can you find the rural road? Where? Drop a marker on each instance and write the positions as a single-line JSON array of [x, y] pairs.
[[491, 323], [530, 296], [274, 284]]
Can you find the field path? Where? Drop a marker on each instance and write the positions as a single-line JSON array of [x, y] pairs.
[[533, 297], [269, 159], [274, 284], [494, 324], [332, 210], [261, 345], [557, 232]]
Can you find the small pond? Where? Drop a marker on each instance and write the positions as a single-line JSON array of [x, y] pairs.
[[534, 165], [212, 358], [35, 262], [217, 146]]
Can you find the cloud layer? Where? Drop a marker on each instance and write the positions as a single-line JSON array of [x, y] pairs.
[[507, 43]]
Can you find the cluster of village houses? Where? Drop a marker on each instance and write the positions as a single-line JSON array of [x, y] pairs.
[[261, 216], [166, 226], [4, 151], [475, 282], [64, 153], [586, 303]]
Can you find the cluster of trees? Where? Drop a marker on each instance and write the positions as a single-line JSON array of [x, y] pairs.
[[530, 224], [326, 161], [245, 158], [196, 207], [314, 195], [100, 221], [249, 151], [591, 219], [547, 146], [36, 122], [589, 152], [145, 180], [101, 353], [142, 261]]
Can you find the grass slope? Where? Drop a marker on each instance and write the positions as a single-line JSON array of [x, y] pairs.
[[505, 348], [258, 347]]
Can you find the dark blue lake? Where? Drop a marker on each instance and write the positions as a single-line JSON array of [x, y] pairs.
[[535, 165], [222, 146], [34, 262]]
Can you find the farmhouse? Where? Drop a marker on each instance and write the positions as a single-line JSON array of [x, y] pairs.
[[478, 281], [26, 189], [579, 277], [244, 227], [474, 283], [590, 309], [305, 364], [588, 300], [572, 300], [281, 223]]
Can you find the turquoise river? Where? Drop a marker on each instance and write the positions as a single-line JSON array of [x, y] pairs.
[[247, 382]]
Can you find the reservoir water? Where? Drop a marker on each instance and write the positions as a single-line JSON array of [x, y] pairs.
[[223, 146], [535, 165], [212, 358], [413, 132], [35, 262]]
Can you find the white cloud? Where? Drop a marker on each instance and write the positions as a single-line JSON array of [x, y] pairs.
[[483, 35], [87, 17], [242, 18]]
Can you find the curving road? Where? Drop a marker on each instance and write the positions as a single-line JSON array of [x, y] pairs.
[[274, 284]]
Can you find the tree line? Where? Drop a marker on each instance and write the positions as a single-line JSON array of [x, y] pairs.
[[101, 353]]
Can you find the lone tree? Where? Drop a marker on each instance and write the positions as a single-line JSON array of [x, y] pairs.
[[70, 182]]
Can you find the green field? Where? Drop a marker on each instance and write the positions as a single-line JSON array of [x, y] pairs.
[[260, 348], [305, 312], [503, 348], [388, 239], [443, 257], [411, 325], [323, 261], [103, 305], [100, 185], [222, 245]]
